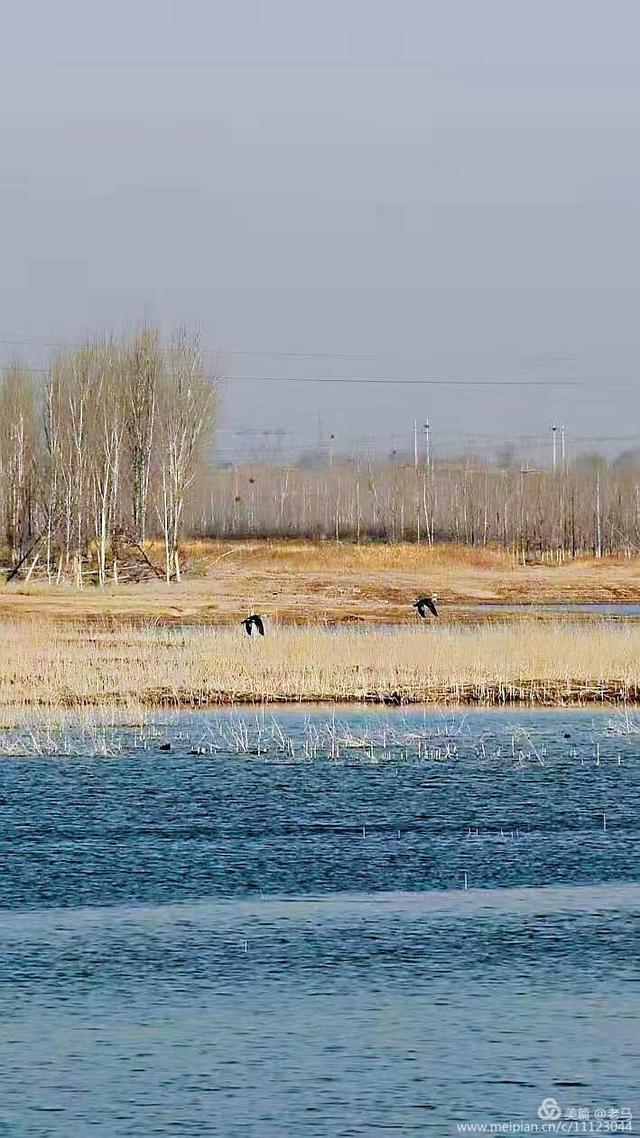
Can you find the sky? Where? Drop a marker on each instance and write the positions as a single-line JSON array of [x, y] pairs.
[[332, 193]]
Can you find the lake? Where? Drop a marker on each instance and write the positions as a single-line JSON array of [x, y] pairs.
[[323, 923], [594, 609]]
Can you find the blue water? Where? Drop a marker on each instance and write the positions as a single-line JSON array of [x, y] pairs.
[[265, 930], [569, 609]]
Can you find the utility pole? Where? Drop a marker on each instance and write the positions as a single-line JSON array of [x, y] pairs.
[[320, 437], [428, 444], [415, 443], [562, 448], [598, 517], [554, 430]]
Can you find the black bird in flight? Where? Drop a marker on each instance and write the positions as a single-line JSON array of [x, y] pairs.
[[253, 621], [424, 605]]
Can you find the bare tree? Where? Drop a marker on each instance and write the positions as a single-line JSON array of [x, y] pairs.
[[105, 431], [18, 456], [186, 412], [143, 376], [71, 387]]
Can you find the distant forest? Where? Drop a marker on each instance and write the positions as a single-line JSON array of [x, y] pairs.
[[114, 445], [590, 506]]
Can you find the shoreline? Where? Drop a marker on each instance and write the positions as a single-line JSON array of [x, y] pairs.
[[529, 695], [296, 583]]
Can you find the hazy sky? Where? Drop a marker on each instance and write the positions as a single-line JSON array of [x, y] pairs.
[[353, 188]]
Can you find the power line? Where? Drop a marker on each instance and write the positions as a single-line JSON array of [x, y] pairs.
[[440, 381], [405, 381], [574, 383], [430, 381], [412, 381], [478, 437]]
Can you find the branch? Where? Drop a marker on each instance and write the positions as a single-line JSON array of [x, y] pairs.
[[16, 569]]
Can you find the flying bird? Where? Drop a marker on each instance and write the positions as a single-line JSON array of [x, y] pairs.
[[253, 621], [424, 605]]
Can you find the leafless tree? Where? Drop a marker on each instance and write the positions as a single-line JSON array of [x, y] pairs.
[[186, 409], [18, 455], [105, 431], [143, 376]]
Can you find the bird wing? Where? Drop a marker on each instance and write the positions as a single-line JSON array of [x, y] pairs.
[[257, 620], [247, 625], [424, 604]]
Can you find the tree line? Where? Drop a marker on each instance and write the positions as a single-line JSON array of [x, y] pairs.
[[100, 452], [113, 445], [589, 506]]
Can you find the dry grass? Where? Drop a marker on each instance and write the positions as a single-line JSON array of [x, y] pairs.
[[51, 667], [300, 582]]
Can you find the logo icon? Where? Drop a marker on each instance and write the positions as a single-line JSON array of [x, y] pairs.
[[549, 1110]]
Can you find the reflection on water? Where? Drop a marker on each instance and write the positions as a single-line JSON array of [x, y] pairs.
[[223, 944]]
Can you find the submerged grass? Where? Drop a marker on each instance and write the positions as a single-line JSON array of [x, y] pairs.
[[130, 668]]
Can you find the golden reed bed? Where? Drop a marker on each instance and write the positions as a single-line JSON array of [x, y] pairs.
[[57, 667]]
